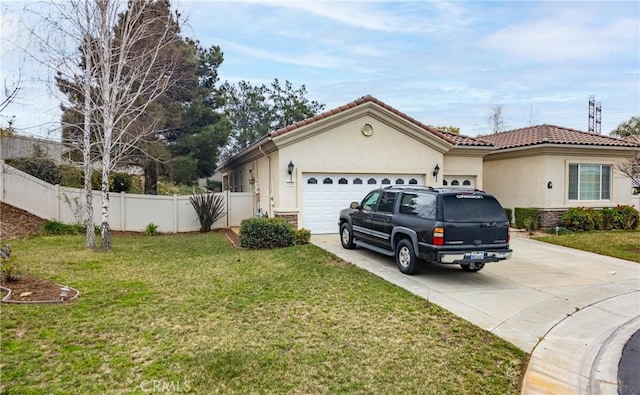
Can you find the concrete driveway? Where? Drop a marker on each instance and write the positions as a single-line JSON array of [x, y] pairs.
[[571, 310]]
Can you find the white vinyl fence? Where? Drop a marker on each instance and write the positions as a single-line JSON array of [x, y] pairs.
[[127, 212], [635, 200]]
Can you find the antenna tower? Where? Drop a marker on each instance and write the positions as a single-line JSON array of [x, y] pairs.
[[592, 116]]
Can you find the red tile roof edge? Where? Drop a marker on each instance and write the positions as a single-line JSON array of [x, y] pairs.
[[454, 139]]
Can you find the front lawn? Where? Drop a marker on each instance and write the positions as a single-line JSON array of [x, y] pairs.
[[190, 313], [615, 243]]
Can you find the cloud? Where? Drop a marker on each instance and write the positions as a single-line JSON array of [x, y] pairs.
[[562, 37]]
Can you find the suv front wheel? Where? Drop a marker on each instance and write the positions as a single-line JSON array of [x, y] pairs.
[[406, 259], [346, 236]]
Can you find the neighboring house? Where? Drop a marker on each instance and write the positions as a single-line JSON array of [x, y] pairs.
[[553, 168], [308, 171]]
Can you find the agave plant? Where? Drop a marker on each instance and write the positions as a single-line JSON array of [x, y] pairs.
[[209, 207]]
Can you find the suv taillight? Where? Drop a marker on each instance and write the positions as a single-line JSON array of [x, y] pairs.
[[438, 236], [508, 235]]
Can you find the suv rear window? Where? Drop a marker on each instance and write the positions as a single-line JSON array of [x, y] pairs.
[[472, 208]]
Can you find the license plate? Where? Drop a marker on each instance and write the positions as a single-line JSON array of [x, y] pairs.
[[477, 255]]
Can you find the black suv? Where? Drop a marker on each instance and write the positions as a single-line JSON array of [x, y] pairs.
[[467, 227]]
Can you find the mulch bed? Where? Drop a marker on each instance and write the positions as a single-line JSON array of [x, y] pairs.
[[30, 289], [16, 223]]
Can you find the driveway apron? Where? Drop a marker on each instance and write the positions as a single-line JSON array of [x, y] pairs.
[[573, 311]]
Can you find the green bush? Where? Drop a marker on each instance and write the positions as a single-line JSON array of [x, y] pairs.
[[58, 228], [72, 176], [44, 169], [303, 236], [582, 219], [620, 217], [509, 213], [151, 229], [266, 233], [526, 218], [118, 182]]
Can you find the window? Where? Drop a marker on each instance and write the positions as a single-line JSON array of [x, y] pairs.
[[357, 181], [455, 183], [399, 181], [312, 181], [445, 183], [370, 201], [421, 205], [342, 181], [386, 181], [371, 181], [327, 181], [387, 202], [466, 183], [413, 181], [589, 182]]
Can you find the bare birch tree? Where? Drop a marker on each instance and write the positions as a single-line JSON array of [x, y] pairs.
[[123, 72]]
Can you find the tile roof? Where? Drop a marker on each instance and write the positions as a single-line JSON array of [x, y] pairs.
[[551, 134], [452, 138]]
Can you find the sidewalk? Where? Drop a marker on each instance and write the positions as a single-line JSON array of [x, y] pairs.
[[573, 311]]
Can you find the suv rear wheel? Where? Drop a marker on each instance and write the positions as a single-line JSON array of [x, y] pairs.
[[346, 236], [406, 258]]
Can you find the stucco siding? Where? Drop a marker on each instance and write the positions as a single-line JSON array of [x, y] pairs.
[[456, 165], [516, 182], [524, 181]]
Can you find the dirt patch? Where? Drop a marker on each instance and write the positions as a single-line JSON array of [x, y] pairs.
[[16, 223]]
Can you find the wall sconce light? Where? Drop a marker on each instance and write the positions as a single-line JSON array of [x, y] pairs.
[[290, 167], [436, 170], [549, 185], [64, 291]]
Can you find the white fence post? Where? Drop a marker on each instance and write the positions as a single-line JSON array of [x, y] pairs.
[[175, 213]]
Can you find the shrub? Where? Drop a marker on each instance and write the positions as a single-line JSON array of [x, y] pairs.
[[151, 229], [582, 219], [120, 182], [209, 208], [509, 213], [266, 233], [303, 236], [72, 176], [8, 267], [521, 215], [52, 227], [620, 217], [44, 169]]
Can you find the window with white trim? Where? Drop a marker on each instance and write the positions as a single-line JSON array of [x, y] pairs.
[[589, 182]]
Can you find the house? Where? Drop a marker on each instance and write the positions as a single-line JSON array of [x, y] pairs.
[[307, 172], [553, 168]]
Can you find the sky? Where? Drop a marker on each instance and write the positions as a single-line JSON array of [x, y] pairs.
[[444, 63]]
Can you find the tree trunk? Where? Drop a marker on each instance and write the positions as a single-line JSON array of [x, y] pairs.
[[86, 149], [151, 177]]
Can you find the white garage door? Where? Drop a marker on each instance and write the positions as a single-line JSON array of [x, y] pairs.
[[324, 195]]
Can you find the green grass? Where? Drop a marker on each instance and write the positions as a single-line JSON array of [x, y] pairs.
[[191, 313], [618, 244]]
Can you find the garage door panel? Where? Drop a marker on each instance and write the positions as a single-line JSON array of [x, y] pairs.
[[324, 196]]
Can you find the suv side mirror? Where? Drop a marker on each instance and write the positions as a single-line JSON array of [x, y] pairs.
[[354, 205]]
